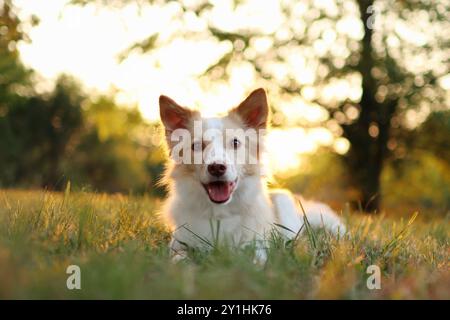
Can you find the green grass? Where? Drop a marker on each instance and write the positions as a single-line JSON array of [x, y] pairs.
[[121, 247]]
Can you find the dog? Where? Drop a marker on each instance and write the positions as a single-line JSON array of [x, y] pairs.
[[215, 196]]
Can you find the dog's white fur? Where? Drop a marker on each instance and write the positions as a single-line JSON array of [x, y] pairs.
[[252, 211]]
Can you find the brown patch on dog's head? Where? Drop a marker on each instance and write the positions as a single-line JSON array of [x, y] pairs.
[[254, 110], [174, 116], [253, 113]]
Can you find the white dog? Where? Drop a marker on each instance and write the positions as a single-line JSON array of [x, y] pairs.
[[215, 178]]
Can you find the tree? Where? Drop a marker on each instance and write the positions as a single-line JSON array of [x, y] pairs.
[[42, 128], [113, 152], [66, 135], [394, 72], [34, 129], [390, 87], [15, 86], [14, 77], [419, 176], [323, 35]]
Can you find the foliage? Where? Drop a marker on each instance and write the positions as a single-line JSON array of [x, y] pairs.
[[121, 247], [434, 135], [43, 128], [420, 182], [14, 83], [68, 134], [322, 177], [14, 77], [113, 153], [419, 174], [345, 43], [50, 138]]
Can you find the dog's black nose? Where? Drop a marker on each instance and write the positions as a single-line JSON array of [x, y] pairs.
[[217, 169]]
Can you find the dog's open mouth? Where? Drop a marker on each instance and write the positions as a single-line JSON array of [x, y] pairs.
[[219, 191]]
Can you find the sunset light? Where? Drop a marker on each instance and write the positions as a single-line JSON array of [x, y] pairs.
[[230, 150], [173, 71]]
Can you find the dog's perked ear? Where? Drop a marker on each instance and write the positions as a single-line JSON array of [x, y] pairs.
[[254, 110], [173, 116]]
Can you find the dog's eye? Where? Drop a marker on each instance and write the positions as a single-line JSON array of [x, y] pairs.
[[236, 143], [197, 146]]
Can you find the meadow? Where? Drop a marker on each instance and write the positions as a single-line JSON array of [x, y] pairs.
[[121, 245]]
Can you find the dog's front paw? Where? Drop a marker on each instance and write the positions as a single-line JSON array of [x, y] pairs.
[[260, 256], [179, 256]]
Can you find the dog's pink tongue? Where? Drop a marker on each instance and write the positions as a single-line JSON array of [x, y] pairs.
[[219, 191]]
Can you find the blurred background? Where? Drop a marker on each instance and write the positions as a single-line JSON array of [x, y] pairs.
[[359, 92]]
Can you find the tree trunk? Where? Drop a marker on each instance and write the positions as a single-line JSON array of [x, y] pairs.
[[52, 179], [368, 135]]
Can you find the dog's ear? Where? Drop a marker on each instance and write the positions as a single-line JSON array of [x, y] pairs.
[[172, 115], [254, 110]]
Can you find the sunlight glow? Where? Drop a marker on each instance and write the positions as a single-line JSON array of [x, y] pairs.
[[86, 42]]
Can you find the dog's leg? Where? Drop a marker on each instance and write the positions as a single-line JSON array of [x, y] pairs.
[[260, 255], [290, 214], [287, 213], [320, 215]]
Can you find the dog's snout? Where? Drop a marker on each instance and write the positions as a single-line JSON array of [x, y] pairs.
[[217, 169]]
